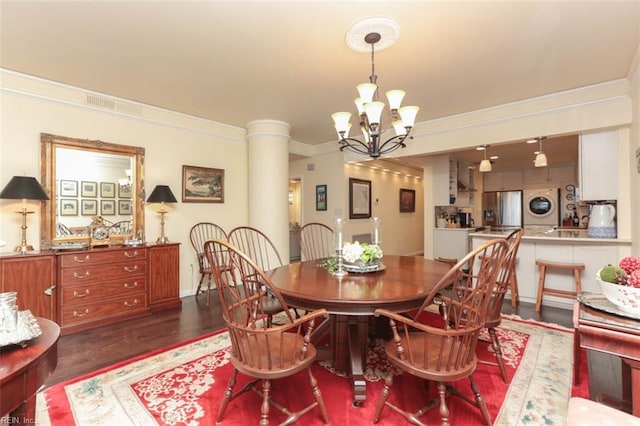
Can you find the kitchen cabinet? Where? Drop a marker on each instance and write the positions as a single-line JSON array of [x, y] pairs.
[[555, 176], [445, 184], [503, 181], [33, 277], [452, 243], [598, 162]]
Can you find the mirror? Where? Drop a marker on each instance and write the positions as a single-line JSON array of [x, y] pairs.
[[89, 182]]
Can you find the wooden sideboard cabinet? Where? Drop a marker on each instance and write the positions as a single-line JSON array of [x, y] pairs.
[[33, 277], [164, 276], [101, 286], [85, 289]]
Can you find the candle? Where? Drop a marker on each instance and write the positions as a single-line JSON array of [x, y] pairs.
[[376, 230], [338, 229]]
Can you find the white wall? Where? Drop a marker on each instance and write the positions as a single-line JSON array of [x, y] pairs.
[[401, 233], [30, 106]]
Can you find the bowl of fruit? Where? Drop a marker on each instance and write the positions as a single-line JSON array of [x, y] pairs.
[[620, 284]]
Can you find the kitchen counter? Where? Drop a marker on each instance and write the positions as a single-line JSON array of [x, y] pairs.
[[576, 235], [559, 245]]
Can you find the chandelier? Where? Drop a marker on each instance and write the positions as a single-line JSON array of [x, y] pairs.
[[370, 112]]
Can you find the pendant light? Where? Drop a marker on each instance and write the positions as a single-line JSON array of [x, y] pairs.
[[485, 165], [541, 157]]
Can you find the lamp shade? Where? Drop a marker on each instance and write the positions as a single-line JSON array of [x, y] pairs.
[[161, 194], [23, 187], [485, 165], [541, 160]]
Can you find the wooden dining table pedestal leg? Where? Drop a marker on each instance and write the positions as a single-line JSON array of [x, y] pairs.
[[350, 351]]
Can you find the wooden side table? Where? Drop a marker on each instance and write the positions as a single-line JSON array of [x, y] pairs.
[[24, 370], [614, 335]]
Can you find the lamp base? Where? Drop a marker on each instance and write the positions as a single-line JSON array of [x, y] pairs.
[[162, 240], [24, 248]]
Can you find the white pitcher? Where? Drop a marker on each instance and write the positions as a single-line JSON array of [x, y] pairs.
[[602, 223]]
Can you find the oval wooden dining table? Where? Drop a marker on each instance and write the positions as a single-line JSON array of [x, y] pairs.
[[401, 286]]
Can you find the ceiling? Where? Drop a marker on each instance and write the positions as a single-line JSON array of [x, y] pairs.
[[238, 61]]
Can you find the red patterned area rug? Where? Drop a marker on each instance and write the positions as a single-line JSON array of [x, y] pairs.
[[183, 385]]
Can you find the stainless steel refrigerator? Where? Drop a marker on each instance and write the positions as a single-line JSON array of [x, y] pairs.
[[502, 209]]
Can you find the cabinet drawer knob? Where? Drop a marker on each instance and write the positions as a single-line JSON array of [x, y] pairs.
[[134, 285], [78, 260], [84, 314], [130, 304], [135, 268], [80, 277], [134, 254], [49, 290], [85, 294]]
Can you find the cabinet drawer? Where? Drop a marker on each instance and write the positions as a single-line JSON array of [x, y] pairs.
[[83, 294], [93, 272], [97, 257], [119, 306]]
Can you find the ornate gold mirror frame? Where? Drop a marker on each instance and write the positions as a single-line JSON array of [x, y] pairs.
[[88, 150]]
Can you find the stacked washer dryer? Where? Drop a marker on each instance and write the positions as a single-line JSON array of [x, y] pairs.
[[541, 207]]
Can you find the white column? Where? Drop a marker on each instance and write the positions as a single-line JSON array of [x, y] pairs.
[[268, 142]]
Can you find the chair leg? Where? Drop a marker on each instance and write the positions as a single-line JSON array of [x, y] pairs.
[[576, 357], [497, 351], [383, 397], [228, 393], [264, 408], [444, 410], [318, 396], [480, 403], [543, 273], [515, 297]]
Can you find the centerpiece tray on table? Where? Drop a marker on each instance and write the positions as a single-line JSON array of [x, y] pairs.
[[27, 328], [364, 268], [599, 302]]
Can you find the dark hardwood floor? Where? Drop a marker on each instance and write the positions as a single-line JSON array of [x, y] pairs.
[[87, 351]]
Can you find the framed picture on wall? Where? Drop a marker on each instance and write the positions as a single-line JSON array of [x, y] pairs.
[[89, 207], [124, 207], [107, 207], [321, 197], [107, 190], [69, 188], [124, 191], [407, 200], [88, 189], [359, 198], [68, 207], [202, 185]]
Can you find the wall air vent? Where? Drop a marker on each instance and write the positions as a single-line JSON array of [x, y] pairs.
[[100, 102], [111, 105]]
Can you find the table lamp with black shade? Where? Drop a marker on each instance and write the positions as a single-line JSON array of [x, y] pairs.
[[24, 188], [162, 194]]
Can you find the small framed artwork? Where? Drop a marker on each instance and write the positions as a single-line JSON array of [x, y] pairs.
[[359, 198], [88, 189], [108, 207], [124, 207], [69, 188], [89, 207], [407, 200], [321, 197], [202, 185], [124, 191], [107, 190], [68, 207]]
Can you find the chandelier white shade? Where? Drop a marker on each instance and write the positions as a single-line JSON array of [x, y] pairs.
[[370, 112]]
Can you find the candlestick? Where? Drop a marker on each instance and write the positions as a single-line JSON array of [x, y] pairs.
[[338, 230]]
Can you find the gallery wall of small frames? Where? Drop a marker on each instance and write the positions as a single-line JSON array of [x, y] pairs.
[[87, 198]]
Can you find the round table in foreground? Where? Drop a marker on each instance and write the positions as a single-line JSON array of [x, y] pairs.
[[402, 286]]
